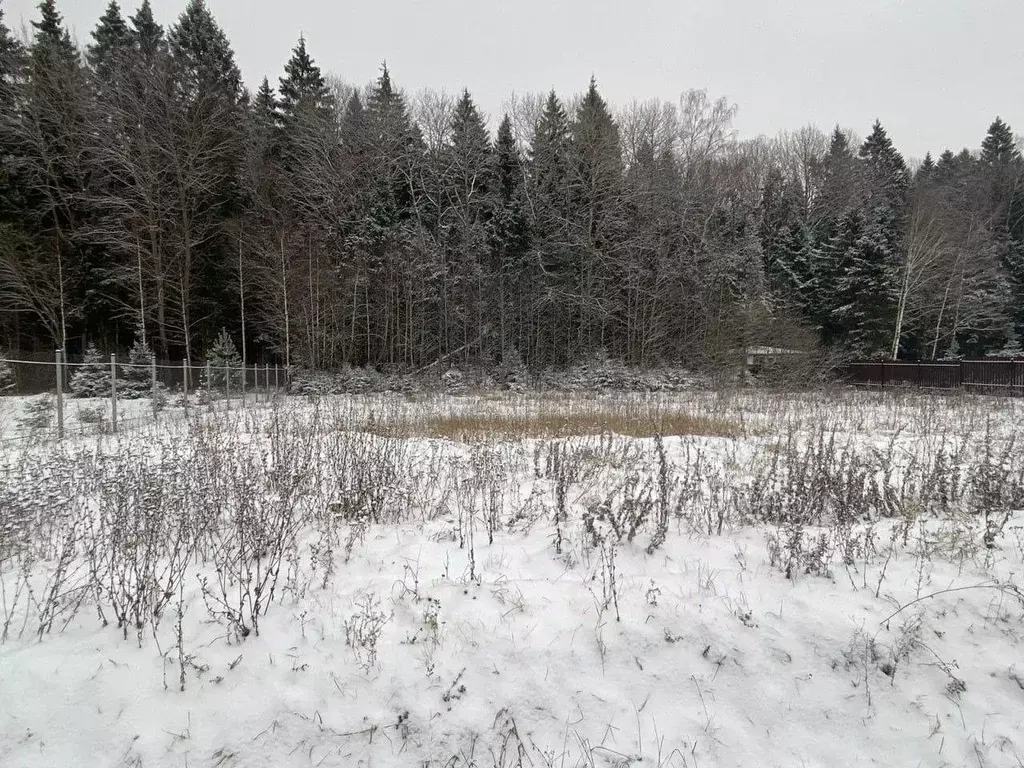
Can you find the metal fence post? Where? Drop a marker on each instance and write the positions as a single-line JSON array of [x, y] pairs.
[[266, 381], [209, 384], [227, 384], [184, 386], [152, 378], [113, 393], [276, 385], [60, 393]]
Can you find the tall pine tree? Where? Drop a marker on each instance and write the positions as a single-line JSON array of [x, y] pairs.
[[303, 86], [1002, 176], [596, 178], [550, 202], [209, 90], [146, 35], [871, 267], [463, 233], [509, 242], [12, 73], [203, 57], [111, 40]]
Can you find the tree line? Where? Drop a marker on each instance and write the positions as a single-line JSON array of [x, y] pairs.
[[147, 195]]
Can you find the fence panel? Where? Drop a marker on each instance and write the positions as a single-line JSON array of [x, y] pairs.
[[995, 377], [940, 375]]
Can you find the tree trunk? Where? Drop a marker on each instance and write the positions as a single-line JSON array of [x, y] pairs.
[[142, 291], [287, 317], [241, 295]]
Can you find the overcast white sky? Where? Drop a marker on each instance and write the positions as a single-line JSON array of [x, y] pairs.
[[936, 72]]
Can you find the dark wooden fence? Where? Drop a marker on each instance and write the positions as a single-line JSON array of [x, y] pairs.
[[994, 377]]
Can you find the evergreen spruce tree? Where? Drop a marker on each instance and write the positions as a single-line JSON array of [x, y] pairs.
[[353, 126], [998, 147], [303, 87], [147, 37], [307, 127], [12, 73], [836, 177], [926, 173], [873, 248], [354, 139], [596, 156], [549, 158], [805, 275], [817, 253], [225, 364], [12, 58], [965, 158], [596, 189], [393, 142], [465, 174], [470, 149], [834, 243], [208, 86], [508, 165], [262, 143], [92, 377], [264, 106], [1001, 171], [111, 40], [945, 169], [262, 147], [867, 282], [552, 216], [136, 378], [468, 176], [1013, 261], [203, 56], [779, 212], [391, 148], [886, 179], [389, 131], [387, 116], [52, 45], [112, 70], [508, 237]]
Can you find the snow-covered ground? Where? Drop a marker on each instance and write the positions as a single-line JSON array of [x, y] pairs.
[[819, 579]]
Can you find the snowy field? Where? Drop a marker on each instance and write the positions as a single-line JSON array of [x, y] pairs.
[[570, 581]]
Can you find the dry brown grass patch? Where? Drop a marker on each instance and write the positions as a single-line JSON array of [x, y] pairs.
[[554, 424]]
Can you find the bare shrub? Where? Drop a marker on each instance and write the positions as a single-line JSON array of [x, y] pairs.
[[363, 629], [138, 552]]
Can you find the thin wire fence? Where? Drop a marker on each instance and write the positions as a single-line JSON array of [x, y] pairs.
[[46, 399]]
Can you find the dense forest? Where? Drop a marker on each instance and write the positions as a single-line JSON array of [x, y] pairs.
[[146, 193]]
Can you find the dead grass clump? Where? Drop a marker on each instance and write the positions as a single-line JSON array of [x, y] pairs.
[[553, 424]]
